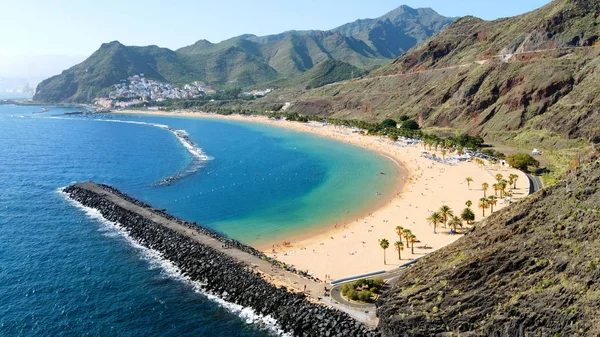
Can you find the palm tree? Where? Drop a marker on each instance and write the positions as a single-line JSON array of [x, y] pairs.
[[412, 238], [399, 231], [469, 180], [456, 222], [469, 203], [502, 184], [444, 152], [384, 244], [468, 215], [399, 247], [515, 178], [496, 188], [485, 187], [492, 201], [499, 177], [407, 233], [435, 219], [446, 212], [483, 204]]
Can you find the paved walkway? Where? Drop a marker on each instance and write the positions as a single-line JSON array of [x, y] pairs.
[[275, 275]]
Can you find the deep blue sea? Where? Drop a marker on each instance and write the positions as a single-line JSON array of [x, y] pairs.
[[64, 272]]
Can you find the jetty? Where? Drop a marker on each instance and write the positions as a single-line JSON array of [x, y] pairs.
[[227, 268]]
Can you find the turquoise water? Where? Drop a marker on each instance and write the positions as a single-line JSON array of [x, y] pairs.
[[63, 272]]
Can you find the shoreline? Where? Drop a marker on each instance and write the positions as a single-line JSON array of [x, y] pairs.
[[353, 247], [402, 174]]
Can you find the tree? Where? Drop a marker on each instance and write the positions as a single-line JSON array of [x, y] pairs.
[[469, 180], [444, 152], [435, 219], [446, 213], [492, 201], [469, 203], [502, 185], [499, 177], [483, 204], [410, 124], [496, 188], [468, 215], [388, 123], [384, 244], [400, 232], [521, 161], [407, 233], [485, 187], [399, 247], [511, 180], [455, 222], [412, 238], [515, 178]]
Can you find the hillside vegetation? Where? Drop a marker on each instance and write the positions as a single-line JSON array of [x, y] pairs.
[[247, 60], [536, 71], [532, 269]]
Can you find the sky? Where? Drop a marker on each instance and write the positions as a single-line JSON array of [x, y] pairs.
[[79, 27]]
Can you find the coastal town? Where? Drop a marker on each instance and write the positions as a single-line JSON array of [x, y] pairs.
[[138, 89]]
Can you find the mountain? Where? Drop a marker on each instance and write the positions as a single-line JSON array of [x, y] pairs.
[[536, 71], [247, 60], [531, 269], [326, 72], [109, 65]]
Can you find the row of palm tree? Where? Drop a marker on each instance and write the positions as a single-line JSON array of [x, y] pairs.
[[403, 233], [489, 202], [445, 216], [499, 186]]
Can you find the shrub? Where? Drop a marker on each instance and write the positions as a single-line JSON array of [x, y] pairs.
[[467, 215], [410, 124], [521, 161], [378, 282], [353, 295], [346, 288], [388, 123], [364, 296]]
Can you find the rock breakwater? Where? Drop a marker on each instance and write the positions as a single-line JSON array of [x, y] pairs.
[[221, 274]]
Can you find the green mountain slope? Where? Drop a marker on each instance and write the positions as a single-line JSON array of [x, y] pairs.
[[326, 72], [531, 269], [109, 65], [246, 60], [534, 71]]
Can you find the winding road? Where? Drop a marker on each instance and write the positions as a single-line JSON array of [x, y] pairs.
[[535, 183]]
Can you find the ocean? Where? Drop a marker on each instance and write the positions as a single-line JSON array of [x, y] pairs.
[[64, 271]]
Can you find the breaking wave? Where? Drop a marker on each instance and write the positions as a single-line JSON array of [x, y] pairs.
[[199, 158]]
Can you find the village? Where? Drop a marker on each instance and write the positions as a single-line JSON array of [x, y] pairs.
[[137, 89]]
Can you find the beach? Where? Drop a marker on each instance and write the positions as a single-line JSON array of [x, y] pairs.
[[352, 248]]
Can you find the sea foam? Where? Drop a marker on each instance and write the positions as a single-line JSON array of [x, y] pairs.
[[156, 260]]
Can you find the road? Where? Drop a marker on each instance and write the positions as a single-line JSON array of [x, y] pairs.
[[369, 309], [535, 183]]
